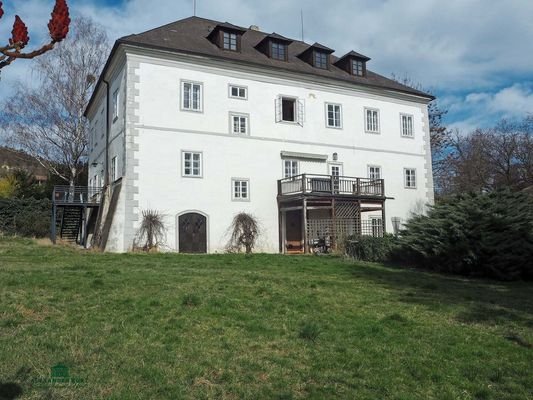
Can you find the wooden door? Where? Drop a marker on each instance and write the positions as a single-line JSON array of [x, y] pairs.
[[192, 233], [293, 231]]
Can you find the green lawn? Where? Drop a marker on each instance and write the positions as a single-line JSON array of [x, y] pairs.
[[167, 326]]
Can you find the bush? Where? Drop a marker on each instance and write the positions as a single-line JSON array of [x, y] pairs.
[[485, 235], [152, 232], [25, 217], [244, 233], [369, 248]]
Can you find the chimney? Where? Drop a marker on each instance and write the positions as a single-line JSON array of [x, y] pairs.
[[254, 28]]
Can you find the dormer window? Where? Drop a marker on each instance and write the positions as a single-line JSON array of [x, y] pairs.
[[278, 51], [230, 41], [353, 63], [227, 36], [358, 68], [320, 60], [317, 55], [275, 46]]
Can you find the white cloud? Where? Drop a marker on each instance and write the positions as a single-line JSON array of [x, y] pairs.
[[513, 101]]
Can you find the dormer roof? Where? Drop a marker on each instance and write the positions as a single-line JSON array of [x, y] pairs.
[[354, 54]]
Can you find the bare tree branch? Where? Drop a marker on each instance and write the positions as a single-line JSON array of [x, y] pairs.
[[47, 121]]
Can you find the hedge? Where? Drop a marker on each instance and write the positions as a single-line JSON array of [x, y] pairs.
[[369, 248], [25, 217], [484, 235]]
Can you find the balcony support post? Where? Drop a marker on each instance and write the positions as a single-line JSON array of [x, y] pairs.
[[334, 224], [383, 221], [53, 223], [304, 226]]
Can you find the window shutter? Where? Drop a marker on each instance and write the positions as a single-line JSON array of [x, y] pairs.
[[301, 112], [279, 111]]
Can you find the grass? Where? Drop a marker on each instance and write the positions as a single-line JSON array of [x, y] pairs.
[[167, 326]]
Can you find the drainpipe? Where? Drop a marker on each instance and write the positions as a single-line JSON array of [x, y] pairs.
[[107, 129], [100, 218]]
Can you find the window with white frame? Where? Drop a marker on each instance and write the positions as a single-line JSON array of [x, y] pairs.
[[377, 226], [114, 169], [278, 51], [230, 41], [407, 125], [371, 120], [290, 168], [238, 92], [290, 109], [191, 164], [241, 189], [115, 105], [374, 172], [357, 68], [191, 96], [333, 115], [321, 60], [239, 124], [410, 178]]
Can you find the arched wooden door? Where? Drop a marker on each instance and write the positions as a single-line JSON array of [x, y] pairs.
[[192, 233]]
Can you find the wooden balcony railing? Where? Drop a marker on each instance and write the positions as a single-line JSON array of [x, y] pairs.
[[330, 184], [76, 195]]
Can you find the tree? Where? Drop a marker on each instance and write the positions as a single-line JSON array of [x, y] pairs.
[[47, 121], [490, 159], [58, 27], [440, 135]]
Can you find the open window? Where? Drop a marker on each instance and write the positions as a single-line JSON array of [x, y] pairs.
[[290, 109]]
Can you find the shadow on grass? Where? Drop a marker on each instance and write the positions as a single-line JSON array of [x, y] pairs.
[[478, 301], [10, 391]]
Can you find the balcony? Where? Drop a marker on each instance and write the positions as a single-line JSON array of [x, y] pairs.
[[76, 195], [329, 185]]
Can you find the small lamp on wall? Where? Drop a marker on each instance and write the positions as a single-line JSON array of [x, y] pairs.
[[335, 156]]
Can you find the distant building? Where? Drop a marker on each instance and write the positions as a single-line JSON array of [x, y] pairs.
[[201, 119], [11, 160]]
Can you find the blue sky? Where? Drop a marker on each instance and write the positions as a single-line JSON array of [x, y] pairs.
[[475, 55]]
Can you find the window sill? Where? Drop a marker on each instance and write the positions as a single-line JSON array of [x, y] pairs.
[[373, 132], [289, 122], [192, 176], [192, 111]]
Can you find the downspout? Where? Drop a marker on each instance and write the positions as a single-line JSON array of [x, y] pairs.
[[104, 196], [107, 129]]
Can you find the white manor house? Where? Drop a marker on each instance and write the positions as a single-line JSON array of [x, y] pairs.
[[201, 120]]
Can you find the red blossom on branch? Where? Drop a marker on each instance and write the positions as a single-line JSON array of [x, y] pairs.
[[19, 34], [59, 23], [58, 27]]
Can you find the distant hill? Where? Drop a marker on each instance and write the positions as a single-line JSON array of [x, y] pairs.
[[11, 159]]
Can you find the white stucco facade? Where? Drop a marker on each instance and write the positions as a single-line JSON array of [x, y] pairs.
[[152, 130]]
